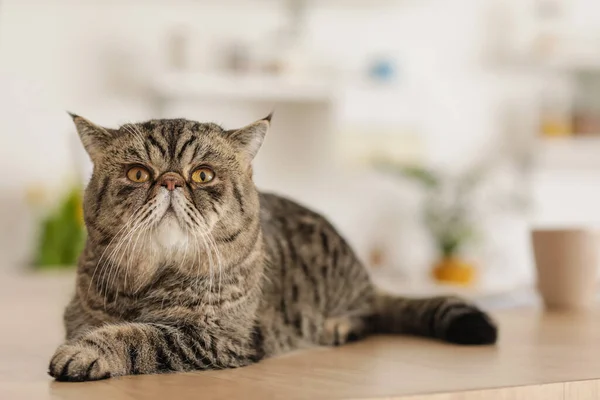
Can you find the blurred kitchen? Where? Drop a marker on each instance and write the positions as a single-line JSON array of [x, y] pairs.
[[433, 133]]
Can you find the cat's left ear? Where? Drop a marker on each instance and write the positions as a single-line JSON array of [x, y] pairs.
[[249, 138], [93, 137]]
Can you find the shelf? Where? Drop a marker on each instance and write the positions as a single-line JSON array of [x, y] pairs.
[[579, 152], [557, 64], [188, 85]]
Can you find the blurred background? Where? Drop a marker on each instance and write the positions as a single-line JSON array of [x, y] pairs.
[[433, 133]]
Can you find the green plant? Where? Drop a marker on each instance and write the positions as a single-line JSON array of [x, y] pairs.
[[449, 209], [62, 235]]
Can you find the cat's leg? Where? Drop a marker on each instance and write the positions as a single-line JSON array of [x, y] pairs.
[[139, 348], [447, 318]]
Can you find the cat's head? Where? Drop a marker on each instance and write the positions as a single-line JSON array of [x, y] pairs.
[[165, 188]]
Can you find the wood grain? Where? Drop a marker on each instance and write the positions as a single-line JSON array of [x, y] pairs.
[[539, 356]]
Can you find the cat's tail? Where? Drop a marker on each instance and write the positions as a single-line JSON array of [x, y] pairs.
[[447, 318]]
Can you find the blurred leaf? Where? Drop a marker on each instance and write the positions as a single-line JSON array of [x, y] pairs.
[[62, 234], [422, 175]]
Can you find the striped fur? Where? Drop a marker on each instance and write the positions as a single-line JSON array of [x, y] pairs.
[[217, 275]]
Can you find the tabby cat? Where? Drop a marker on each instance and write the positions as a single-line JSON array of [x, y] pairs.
[[187, 266]]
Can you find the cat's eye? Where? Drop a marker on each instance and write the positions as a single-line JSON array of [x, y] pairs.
[[138, 174], [203, 175]]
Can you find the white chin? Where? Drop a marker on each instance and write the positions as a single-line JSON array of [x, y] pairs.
[[169, 234]]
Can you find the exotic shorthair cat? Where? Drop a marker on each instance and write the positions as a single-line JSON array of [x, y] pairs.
[[187, 266]]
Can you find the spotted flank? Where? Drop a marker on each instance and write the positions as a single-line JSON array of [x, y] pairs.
[[188, 267]]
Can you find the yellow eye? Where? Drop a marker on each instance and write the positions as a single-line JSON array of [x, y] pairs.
[[138, 174], [203, 175]]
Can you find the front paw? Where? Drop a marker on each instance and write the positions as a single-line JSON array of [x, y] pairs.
[[73, 362]]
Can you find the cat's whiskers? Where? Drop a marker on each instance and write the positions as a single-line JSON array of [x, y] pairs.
[[113, 265], [184, 218], [140, 134], [145, 212], [141, 229], [134, 131], [196, 260], [132, 254], [198, 230], [109, 265], [185, 251], [219, 260], [203, 228], [209, 259], [125, 226]]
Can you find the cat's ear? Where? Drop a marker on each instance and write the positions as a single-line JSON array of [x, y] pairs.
[[93, 137], [249, 138]]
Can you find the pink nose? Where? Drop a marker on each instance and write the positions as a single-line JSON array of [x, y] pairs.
[[171, 180]]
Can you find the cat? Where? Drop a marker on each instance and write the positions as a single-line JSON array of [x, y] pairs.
[[187, 266]]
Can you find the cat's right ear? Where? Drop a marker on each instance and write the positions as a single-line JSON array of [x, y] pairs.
[[93, 137]]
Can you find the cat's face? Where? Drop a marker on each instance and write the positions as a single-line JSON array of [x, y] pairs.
[[167, 190]]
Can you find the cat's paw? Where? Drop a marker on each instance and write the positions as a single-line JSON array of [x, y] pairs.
[[78, 363], [340, 330], [471, 326]]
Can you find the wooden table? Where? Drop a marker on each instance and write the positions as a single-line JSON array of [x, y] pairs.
[[539, 356]]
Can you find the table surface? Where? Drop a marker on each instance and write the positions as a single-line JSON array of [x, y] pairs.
[[539, 355]]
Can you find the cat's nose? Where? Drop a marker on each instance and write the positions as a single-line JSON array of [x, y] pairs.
[[170, 180]]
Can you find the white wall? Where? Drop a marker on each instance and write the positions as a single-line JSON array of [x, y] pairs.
[[97, 58]]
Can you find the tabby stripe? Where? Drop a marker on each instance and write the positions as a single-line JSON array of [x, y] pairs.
[[214, 193], [147, 148], [336, 337], [325, 241], [313, 282], [231, 237], [176, 347], [148, 125], [95, 345], [254, 225], [185, 146], [324, 272], [133, 355], [238, 197], [208, 154], [334, 256], [305, 270], [445, 319], [101, 194], [65, 368], [258, 343], [213, 348], [88, 371], [196, 149], [430, 316], [283, 281], [133, 153], [172, 143], [126, 191], [298, 323], [294, 292], [291, 248], [449, 307], [148, 213], [155, 143], [163, 361], [190, 213], [192, 198], [200, 353]]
